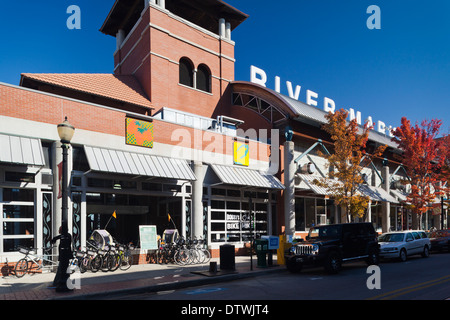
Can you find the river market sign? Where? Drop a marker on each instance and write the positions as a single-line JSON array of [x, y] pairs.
[[259, 76]]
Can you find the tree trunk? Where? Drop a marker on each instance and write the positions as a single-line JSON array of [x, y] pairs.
[[415, 220]]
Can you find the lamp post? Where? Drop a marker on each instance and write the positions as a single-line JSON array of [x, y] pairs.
[[65, 132]]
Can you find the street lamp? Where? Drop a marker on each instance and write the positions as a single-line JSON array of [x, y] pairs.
[[65, 132]]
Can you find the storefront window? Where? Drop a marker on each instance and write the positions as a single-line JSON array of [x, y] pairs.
[[18, 195], [376, 216], [17, 218], [18, 212], [300, 214], [80, 162], [230, 216], [19, 177], [310, 212]]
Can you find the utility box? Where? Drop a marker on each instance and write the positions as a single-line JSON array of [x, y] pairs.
[[274, 242], [261, 247]]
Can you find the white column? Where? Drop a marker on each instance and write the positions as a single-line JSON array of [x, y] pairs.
[[57, 203], [197, 204], [228, 30], [222, 28], [83, 212], [385, 206], [289, 184]]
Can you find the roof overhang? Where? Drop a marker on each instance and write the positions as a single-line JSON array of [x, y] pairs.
[[137, 164], [204, 13], [21, 150], [244, 177]]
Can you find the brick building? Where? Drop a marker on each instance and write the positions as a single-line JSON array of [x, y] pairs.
[[170, 131]]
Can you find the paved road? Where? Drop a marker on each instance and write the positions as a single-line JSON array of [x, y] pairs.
[[416, 279]]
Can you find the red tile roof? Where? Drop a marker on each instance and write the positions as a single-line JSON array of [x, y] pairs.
[[124, 88]]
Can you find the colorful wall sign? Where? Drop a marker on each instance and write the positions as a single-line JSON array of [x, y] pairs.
[[241, 153], [139, 132]]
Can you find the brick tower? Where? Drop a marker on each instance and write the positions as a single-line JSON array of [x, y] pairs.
[[180, 50]]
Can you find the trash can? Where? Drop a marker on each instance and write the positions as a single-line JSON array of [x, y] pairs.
[[227, 257], [261, 247]]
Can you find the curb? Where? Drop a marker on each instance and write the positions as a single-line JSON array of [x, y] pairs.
[[172, 285]]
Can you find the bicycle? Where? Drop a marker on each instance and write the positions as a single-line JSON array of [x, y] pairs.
[[76, 261], [204, 252], [182, 254], [93, 260], [111, 260], [33, 261], [126, 256]]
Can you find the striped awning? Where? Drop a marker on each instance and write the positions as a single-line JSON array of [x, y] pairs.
[[235, 175], [399, 195], [137, 164], [376, 194], [21, 150], [308, 180]]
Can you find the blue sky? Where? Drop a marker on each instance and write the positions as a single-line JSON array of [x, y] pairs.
[[403, 69]]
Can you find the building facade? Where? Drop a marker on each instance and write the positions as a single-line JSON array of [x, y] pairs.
[[170, 132]]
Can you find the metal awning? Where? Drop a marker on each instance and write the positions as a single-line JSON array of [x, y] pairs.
[[399, 195], [21, 150], [246, 177], [376, 194], [308, 179], [137, 164]]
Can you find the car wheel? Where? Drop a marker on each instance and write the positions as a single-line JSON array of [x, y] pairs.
[[403, 256], [426, 252], [293, 266], [373, 258], [333, 262]]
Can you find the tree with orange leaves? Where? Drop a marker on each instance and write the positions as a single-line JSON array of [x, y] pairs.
[[349, 150], [424, 157]]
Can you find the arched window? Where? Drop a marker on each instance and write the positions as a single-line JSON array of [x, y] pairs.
[[186, 72], [203, 78]]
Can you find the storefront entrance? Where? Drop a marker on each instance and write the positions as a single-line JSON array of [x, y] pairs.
[[122, 211]]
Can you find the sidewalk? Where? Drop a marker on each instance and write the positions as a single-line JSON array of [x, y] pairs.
[[138, 279]]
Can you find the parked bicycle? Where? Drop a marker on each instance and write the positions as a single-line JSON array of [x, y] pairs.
[[125, 256], [33, 261], [184, 252]]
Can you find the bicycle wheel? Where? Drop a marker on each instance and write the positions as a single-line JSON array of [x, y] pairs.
[[182, 257], [21, 268], [195, 256], [127, 260], [96, 263], [206, 255], [114, 262], [84, 264]]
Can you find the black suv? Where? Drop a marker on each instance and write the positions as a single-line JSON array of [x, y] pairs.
[[331, 245]]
